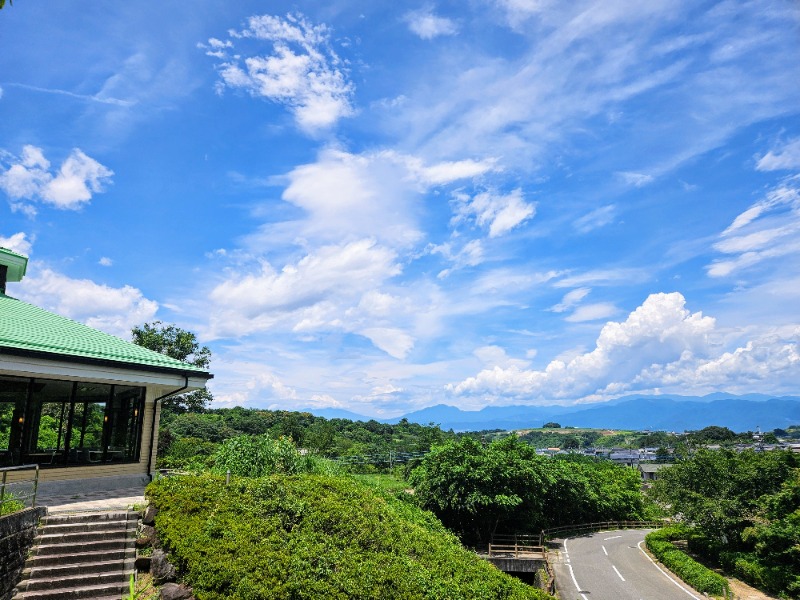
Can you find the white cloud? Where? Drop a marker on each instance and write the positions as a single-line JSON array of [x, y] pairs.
[[110, 309], [394, 342], [105, 262], [660, 331], [302, 72], [592, 312], [571, 299], [599, 217], [469, 255], [428, 25], [501, 213], [79, 177], [18, 243], [311, 294], [635, 179], [768, 229], [785, 156]]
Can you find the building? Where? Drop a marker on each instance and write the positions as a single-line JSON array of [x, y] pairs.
[[80, 403]]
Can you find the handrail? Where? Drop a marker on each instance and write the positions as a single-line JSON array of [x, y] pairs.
[[599, 526], [18, 496]]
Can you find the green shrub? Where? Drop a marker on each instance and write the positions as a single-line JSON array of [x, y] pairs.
[[311, 536], [10, 504], [689, 570]]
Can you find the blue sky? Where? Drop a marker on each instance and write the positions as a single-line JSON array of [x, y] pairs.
[[384, 206]]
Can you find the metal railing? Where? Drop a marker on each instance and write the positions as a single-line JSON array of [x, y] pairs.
[[9, 492], [598, 526]]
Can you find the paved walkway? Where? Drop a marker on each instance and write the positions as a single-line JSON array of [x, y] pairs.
[[91, 500]]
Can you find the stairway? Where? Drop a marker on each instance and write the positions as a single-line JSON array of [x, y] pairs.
[[81, 555]]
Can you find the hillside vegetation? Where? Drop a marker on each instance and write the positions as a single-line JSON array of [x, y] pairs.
[[315, 536]]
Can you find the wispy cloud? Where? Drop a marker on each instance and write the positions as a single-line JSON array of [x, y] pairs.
[[427, 25], [785, 156], [99, 98], [768, 229], [499, 212]]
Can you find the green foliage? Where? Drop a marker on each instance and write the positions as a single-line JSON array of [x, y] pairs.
[[10, 504], [310, 536], [551, 425], [477, 490], [261, 455], [189, 453], [746, 510], [689, 570], [181, 345]]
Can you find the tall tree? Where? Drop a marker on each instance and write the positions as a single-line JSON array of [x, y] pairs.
[[181, 345]]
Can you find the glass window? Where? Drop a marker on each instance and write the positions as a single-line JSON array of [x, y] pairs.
[[46, 428], [58, 423], [13, 395], [87, 424]]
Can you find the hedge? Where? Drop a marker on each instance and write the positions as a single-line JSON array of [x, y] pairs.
[[308, 536], [699, 577]]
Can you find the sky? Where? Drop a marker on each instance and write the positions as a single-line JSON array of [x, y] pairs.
[[383, 206]]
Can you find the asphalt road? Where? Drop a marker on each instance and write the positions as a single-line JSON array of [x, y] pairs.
[[612, 565]]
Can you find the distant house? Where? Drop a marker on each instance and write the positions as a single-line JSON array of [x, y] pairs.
[[81, 403], [650, 471]]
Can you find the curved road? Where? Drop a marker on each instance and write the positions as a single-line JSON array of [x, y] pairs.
[[612, 565]]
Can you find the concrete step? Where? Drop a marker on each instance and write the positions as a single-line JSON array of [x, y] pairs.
[[89, 517], [68, 570], [97, 535], [67, 549], [94, 592], [57, 528], [78, 557], [39, 583]]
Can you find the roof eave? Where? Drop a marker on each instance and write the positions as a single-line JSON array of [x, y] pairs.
[[86, 360]]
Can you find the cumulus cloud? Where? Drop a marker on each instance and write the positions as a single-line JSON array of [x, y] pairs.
[[660, 331], [785, 157], [428, 25], [18, 243], [30, 179], [768, 229], [500, 213], [302, 71], [110, 309], [312, 293]]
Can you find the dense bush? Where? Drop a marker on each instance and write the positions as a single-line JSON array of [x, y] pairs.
[[692, 572], [745, 509], [313, 536], [506, 487]]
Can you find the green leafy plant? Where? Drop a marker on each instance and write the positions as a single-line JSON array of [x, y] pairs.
[[308, 536], [701, 578], [10, 504]]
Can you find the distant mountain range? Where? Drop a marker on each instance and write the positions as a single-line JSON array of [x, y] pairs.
[[666, 412]]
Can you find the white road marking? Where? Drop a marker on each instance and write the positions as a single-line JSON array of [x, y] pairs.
[[604, 550], [617, 572], [577, 587], [639, 545], [613, 537], [572, 573]]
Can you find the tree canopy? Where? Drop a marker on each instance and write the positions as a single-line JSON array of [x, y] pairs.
[[181, 345]]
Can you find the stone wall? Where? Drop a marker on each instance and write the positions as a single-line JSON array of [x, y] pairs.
[[17, 532]]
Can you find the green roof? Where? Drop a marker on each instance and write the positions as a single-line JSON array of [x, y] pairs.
[[27, 328], [16, 264]]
